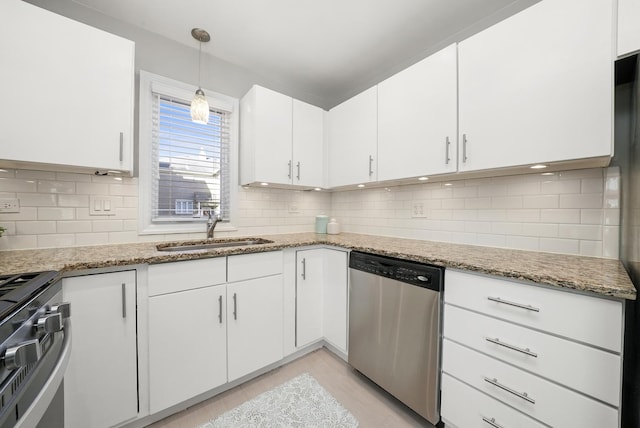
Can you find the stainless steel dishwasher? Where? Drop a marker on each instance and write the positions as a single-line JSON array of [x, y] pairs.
[[394, 328]]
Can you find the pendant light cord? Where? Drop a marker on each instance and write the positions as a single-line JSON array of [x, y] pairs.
[[199, 63]]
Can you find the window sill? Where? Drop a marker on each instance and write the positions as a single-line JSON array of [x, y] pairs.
[[169, 229]]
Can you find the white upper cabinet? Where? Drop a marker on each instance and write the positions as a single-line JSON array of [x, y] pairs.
[[353, 140], [537, 87], [281, 140], [628, 28], [67, 92], [417, 119], [308, 145]]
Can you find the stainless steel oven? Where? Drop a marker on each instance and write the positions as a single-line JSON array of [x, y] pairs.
[[35, 344]]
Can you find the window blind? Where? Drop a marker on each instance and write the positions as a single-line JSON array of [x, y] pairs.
[[190, 162]]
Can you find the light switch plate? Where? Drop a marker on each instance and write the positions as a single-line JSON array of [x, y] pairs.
[[9, 205], [418, 210], [101, 205]]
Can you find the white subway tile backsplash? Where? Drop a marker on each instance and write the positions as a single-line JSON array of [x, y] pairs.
[[76, 226], [580, 231], [48, 213], [52, 186], [566, 246], [560, 216], [37, 199], [73, 200], [574, 212], [586, 200], [56, 241], [35, 227], [17, 185], [540, 201]]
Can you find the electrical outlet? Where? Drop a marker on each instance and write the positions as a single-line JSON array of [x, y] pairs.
[[9, 205], [293, 209], [418, 210]]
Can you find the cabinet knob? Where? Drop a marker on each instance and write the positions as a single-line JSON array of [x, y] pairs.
[[22, 355], [49, 323]]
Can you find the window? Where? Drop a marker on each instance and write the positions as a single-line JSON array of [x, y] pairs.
[[185, 167]]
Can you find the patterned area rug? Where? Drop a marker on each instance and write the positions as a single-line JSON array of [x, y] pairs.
[[300, 402]]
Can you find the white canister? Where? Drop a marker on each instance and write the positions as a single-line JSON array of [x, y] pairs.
[[333, 228]]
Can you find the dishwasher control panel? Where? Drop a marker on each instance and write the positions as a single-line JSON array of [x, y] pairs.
[[415, 273]]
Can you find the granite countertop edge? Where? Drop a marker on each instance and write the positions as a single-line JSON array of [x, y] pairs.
[[604, 277]]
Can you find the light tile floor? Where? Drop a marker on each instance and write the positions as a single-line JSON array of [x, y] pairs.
[[372, 406]]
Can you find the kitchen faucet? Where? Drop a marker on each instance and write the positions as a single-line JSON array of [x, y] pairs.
[[211, 224]]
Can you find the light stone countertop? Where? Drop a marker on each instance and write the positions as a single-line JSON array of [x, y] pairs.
[[590, 274]]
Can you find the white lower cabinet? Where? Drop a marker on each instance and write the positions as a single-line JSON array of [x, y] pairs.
[[187, 345], [254, 314], [100, 385], [529, 348], [309, 296], [473, 409], [321, 297]]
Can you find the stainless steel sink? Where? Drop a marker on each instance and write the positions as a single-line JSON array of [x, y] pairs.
[[211, 245]]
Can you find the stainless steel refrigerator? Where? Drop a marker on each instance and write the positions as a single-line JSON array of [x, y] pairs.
[[627, 157]]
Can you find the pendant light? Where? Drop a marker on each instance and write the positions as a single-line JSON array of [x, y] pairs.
[[199, 104]]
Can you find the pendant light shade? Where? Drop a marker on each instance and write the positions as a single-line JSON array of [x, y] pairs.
[[200, 108], [199, 104]]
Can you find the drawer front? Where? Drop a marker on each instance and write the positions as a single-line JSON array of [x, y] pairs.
[[583, 318], [465, 407], [586, 369], [534, 396], [257, 265], [187, 275]]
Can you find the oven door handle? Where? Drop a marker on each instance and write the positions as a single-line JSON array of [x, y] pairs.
[[33, 415]]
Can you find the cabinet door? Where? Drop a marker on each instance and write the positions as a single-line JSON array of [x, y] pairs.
[[100, 385], [255, 331], [309, 301], [57, 109], [417, 119], [628, 28], [353, 140], [537, 87], [335, 298], [187, 345], [308, 145], [266, 136]]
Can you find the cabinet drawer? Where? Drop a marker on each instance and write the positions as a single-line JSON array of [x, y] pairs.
[[465, 407], [563, 361], [583, 318], [549, 403], [249, 266], [187, 275]]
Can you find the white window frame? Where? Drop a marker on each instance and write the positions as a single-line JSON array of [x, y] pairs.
[[180, 206], [150, 83]]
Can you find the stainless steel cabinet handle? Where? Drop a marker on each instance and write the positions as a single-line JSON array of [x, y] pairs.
[[492, 422], [290, 170], [370, 165], [235, 306], [220, 309], [304, 269], [515, 348], [464, 148], [121, 147], [298, 176], [124, 300], [446, 157], [517, 305], [522, 395]]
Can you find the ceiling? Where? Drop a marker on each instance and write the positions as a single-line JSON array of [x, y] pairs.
[[332, 48]]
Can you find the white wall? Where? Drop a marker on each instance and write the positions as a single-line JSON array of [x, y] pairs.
[[573, 212]]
